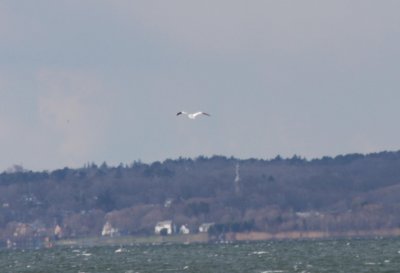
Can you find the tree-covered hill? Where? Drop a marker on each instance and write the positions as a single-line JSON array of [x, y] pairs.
[[343, 193]]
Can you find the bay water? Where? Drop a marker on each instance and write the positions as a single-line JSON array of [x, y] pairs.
[[343, 255]]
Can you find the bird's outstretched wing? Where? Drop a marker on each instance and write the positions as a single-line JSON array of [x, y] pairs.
[[200, 113]]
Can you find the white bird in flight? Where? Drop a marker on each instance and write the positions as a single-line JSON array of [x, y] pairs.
[[192, 115]]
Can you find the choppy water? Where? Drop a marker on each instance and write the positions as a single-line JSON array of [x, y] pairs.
[[350, 256]]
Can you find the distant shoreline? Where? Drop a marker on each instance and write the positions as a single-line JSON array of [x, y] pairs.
[[265, 236], [228, 237]]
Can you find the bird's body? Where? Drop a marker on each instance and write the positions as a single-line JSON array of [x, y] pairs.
[[192, 115]]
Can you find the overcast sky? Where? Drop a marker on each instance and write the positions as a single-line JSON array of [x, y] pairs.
[[93, 81]]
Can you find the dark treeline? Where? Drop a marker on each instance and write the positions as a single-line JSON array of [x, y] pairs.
[[349, 192]]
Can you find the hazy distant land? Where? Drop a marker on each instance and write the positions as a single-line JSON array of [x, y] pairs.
[[252, 199]]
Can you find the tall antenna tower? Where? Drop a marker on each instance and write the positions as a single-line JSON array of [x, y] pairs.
[[237, 179]]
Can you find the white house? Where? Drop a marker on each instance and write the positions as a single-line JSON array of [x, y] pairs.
[[184, 230], [205, 227], [109, 230], [58, 232], [167, 225]]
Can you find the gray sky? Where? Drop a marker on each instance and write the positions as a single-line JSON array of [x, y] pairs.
[[93, 81]]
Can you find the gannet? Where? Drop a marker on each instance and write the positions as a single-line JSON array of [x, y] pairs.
[[192, 115]]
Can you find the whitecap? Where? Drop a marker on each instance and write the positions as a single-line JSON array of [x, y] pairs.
[[120, 250], [258, 253]]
